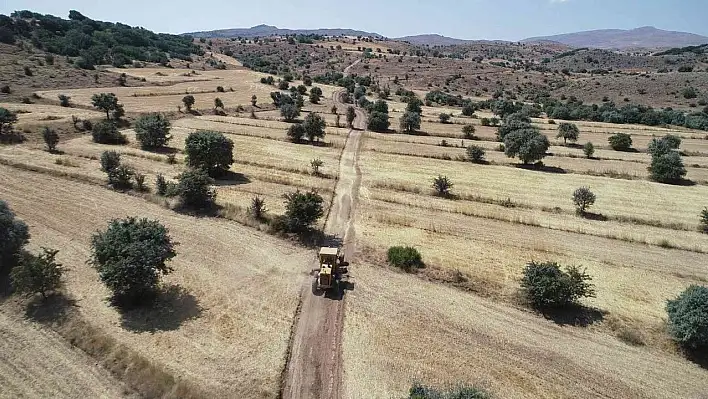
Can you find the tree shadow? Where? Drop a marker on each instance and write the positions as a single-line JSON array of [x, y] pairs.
[[574, 315], [231, 178], [417, 133], [12, 138], [593, 216], [541, 168], [54, 308], [699, 356], [171, 307], [163, 150]]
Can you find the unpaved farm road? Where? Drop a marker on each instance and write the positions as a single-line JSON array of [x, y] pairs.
[[314, 366]]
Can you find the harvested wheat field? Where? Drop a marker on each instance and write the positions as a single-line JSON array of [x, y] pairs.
[[40, 113], [218, 333]]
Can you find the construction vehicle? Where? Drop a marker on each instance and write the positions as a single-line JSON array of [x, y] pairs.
[[332, 269]]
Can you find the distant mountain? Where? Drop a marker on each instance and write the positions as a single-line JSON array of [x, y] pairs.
[[645, 37], [432, 40], [268, 30]]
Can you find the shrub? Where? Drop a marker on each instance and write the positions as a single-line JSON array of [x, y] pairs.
[[378, 122], [419, 391], [468, 131], [664, 145], [316, 164], [219, 89], [254, 100], [667, 168], [5, 89], [107, 102], [110, 160], [209, 151], [194, 189], [314, 126], [475, 154], [64, 100], [120, 177], [351, 115], [14, 235], [160, 184], [130, 255], [528, 144], [704, 221], [37, 274], [620, 142], [7, 120], [51, 138], [140, 182], [442, 186], [283, 85], [546, 285], [296, 132], [568, 131], [406, 258], [106, 132], [583, 198], [188, 102], [152, 131], [444, 118], [257, 209], [302, 210], [28, 71], [289, 111], [87, 125], [513, 122], [588, 149], [410, 122], [689, 93], [688, 317]]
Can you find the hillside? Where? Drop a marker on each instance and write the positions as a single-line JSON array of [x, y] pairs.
[[268, 30], [432, 40], [644, 37]]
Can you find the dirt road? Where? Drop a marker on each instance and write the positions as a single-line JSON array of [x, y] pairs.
[[314, 366]]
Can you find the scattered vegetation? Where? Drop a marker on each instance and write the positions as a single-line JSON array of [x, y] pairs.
[[209, 151], [152, 131], [547, 286], [419, 391], [406, 258], [51, 138], [620, 142], [475, 154], [688, 317], [195, 191]]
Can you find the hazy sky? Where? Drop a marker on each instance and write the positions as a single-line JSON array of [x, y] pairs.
[[465, 19]]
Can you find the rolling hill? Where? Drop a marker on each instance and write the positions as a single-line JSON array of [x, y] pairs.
[[644, 37], [269, 30]]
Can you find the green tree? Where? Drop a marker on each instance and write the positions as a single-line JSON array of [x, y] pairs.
[[568, 131], [316, 164], [620, 141], [419, 391], [296, 132], [107, 102], [704, 221], [258, 209], [152, 131], [583, 198], [290, 112], [410, 122], [7, 119], [14, 235], [589, 150], [160, 184], [415, 105], [351, 116], [209, 151], [302, 210], [64, 100], [130, 255], [667, 168], [527, 144], [546, 285], [37, 274], [380, 106], [475, 154], [664, 145], [51, 138], [194, 189], [120, 177], [688, 317], [442, 186], [444, 118], [106, 132], [378, 122], [468, 131], [314, 126], [406, 258], [188, 102], [512, 123]]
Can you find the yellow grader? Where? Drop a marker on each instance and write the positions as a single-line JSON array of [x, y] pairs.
[[332, 269]]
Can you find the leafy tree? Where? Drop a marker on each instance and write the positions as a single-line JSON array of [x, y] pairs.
[[378, 122], [527, 144], [620, 142], [316, 164], [568, 131], [289, 112], [505, 107], [106, 132], [14, 235], [130, 256], [442, 186], [468, 110], [188, 102], [667, 168], [257, 209], [152, 131], [110, 160], [475, 154], [688, 317], [302, 210], [468, 131], [380, 106], [704, 221], [314, 126], [664, 145], [7, 119], [415, 105], [64, 100], [296, 132], [351, 115], [194, 189], [583, 198], [160, 184], [589, 150], [302, 89], [410, 122], [314, 97], [209, 151], [120, 177], [406, 258], [419, 391], [546, 285], [512, 122], [51, 138], [107, 102], [283, 85], [444, 118], [37, 274]]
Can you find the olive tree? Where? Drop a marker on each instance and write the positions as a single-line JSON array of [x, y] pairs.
[[410, 122], [209, 151], [568, 131], [406, 258], [620, 141], [302, 210], [667, 168], [106, 132], [528, 144], [314, 126], [188, 102], [152, 131], [589, 150], [468, 131], [289, 112], [7, 120], [583, 198], [107, 102], [351, 115], [475, 154]]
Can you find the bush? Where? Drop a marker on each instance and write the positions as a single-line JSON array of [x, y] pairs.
[[296, 132], [14, 235], [688, 317], [568, 131], [588, 149], [188, 102], [689, 93], [547, 286], [257, 209], [419, 391], [468, 131], [51, 138], [316, 164], [378, 122], [194, 189], [7, 120], [120, 177], [87, 125], [106, 132], [314, 126], [351, 116], [667, 168], [37, 274], [130, 256], [28, 71], [110, 160], [219, 89], [64, 100], [289, 111], [302, 210], [704, 221], [410, 122], [620, 142], [406, 258], [209, 151], [444, 118], [152, 131], [475, 154], [664, 145], [528, 144], [140, 182], [5, 89], [442, 186], [583, 198], [283, 85]]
